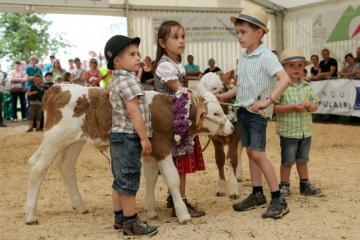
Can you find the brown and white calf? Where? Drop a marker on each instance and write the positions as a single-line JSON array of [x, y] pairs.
[[76, 114], [214, 83]]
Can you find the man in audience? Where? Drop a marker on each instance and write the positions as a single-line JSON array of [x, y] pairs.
[[350, 67], [328, 66], [192, 70], [2, 82], [31, 71], [78, 73]]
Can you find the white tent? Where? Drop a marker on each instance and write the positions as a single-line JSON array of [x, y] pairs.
[[290, 22]]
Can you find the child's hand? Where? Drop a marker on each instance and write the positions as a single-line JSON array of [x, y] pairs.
[[257, 106], [146, 147], [307, 105], [299, 107], [221, 97]]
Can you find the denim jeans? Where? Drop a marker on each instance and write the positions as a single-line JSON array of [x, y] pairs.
[[125, 150], [252, 128]]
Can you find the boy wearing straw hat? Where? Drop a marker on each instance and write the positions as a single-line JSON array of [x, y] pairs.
[[258, 71], [293, 123]]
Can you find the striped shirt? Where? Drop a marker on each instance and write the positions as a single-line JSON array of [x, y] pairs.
[[296, 124], [256, 77], [124, 87]]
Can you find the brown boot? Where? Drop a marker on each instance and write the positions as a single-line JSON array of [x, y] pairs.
[[192, 211]]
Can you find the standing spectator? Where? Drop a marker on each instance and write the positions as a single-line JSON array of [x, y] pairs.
[[315, 68], [2, 82], [78, 73], [192, 70], [212, 67], [71, 66], [31, 71], [146, 74], [57, 70], [67, 77], [35, 94], [17, 89], [357, 59], [93, 75], [328, 66], [350, 67], [48, 66]]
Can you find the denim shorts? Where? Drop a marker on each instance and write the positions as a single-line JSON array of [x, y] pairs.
[[294, 150], [252, 128], [125, 150]]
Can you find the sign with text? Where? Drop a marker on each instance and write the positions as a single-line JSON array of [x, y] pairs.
[[337, 24], [202, 28], [338, 96]]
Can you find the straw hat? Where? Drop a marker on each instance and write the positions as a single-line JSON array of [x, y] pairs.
[[254, 15], [292, 55]]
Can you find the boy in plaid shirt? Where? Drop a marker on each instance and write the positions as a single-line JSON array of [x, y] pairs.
[[128, 137], [293, 123]]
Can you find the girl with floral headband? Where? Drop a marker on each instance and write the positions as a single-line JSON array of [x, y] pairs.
[[170, 79]]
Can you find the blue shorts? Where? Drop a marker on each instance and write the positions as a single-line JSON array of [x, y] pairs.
[[125, 150], [294, 150], [252, 128]]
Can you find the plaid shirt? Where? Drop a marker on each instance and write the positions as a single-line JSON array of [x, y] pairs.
[[124, 87], [296, 124]]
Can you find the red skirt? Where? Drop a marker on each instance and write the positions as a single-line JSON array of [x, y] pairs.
[[193, 162]]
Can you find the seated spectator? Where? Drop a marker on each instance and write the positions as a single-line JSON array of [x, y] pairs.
[[78, 73], [93, 75], [315, 68], [328, 66], [48, 81], [57, 70], [350, 67], [212, 67], [357, 59], [35, 95], [192, 70], [146, 74]]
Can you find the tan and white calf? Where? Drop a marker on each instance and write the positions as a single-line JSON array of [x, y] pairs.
[[214, 83], [76, 114]]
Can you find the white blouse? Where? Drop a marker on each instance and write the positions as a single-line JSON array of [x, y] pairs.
[[169, 70]]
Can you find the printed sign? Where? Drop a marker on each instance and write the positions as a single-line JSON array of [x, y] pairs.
[[202, 28], [339, 96], [338, 24]]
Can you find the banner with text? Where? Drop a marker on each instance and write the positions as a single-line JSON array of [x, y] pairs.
[[202, 28], [339, 96], [337, 24]]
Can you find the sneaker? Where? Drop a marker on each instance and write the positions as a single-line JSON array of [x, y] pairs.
[[2, 124], [194, 213], [118, 222], [251, 202], [136, 227], [277, 209], [169, 202], [285, 189], [309, 189], [29, 130]]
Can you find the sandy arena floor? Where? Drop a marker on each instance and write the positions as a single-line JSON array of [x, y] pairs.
[[334, 166]]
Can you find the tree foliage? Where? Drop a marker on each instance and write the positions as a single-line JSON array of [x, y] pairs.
[[25, 35]]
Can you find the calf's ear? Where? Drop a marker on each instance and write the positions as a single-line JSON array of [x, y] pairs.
[[200, 112]]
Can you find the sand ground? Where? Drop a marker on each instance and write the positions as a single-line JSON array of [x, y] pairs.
[[334, 166]]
